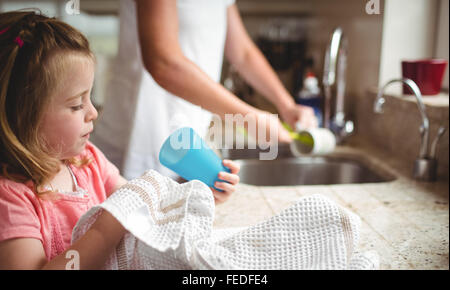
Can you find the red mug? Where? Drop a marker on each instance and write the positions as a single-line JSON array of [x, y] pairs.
[[426, 73]]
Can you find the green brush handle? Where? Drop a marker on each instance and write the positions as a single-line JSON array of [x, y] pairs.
[[305, 139]]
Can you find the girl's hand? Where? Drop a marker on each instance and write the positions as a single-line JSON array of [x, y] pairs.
[[228, 187]]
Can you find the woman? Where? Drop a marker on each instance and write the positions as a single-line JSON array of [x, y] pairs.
[[167, 76]]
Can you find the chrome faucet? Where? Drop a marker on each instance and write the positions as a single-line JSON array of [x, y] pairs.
[[425, 166], [336, 64]]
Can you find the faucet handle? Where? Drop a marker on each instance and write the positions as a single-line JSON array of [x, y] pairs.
[[425, 168], [342, 129], [439, 134], [347, 130]]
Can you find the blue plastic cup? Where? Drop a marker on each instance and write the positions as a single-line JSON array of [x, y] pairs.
[[187, 154]]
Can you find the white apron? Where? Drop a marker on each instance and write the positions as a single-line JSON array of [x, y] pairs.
[[138, 114]]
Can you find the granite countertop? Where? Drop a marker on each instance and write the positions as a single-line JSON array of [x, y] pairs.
[[404, 220]]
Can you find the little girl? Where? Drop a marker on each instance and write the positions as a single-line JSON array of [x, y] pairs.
[[50, 174]]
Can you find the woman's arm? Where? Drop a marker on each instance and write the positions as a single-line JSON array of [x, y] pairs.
[[165, 61], [173, 71], [251, 64], [94, 247]]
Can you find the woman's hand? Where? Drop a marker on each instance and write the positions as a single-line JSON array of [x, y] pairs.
[[231, 179], [298, 113]]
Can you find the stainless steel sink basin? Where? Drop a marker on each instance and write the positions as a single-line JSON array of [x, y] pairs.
[[308, 170]]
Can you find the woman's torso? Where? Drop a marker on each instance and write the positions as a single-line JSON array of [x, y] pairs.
[[138, 114]]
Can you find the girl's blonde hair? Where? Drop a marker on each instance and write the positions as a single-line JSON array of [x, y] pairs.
[[28, 40]]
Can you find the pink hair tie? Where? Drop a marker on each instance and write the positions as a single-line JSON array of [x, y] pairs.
[[19, 41], [4, 30]]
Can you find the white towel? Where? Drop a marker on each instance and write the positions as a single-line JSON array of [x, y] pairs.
[[170, 226]]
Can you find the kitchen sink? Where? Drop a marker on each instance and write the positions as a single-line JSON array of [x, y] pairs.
[[307, 170]]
